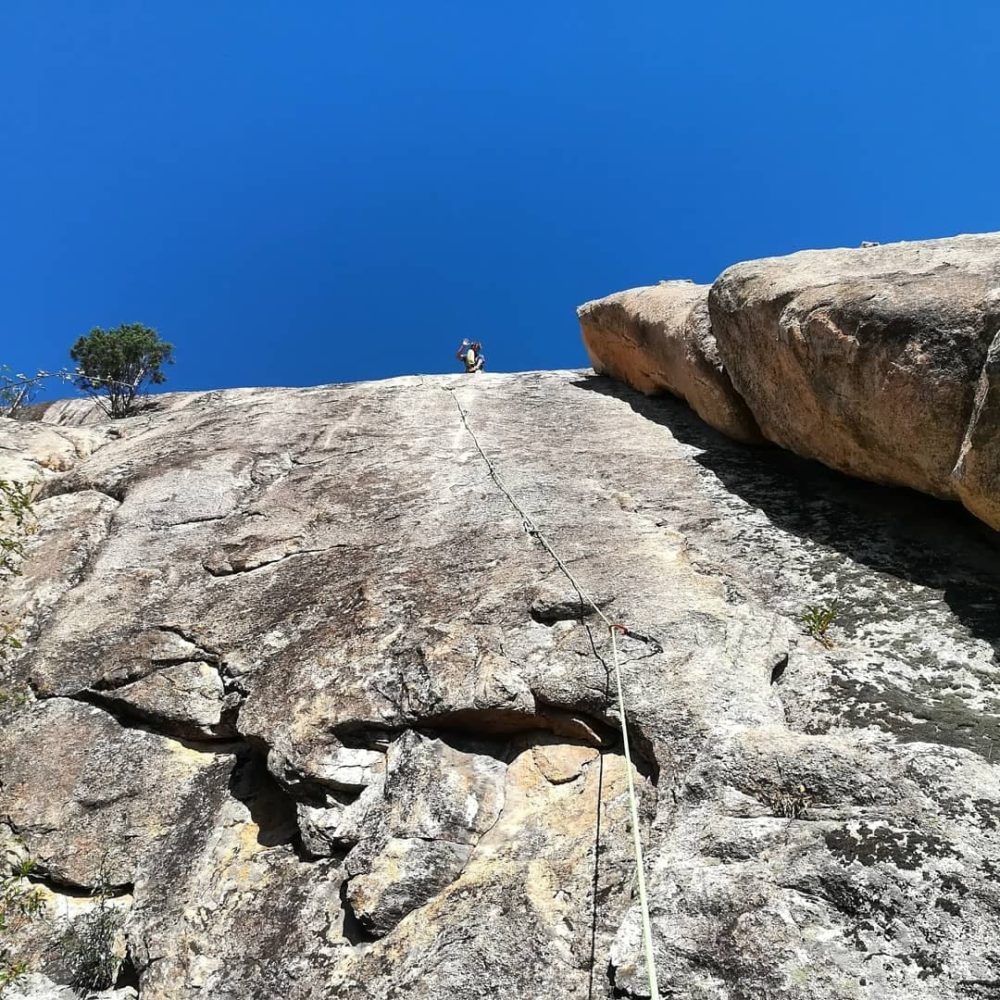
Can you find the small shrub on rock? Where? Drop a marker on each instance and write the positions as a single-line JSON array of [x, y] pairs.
[[93, 944], [817, 619], [20, 903]]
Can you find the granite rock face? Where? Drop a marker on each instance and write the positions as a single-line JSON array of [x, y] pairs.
[[977, 472], [38, 987], [659, 339], [874, 360], [304, 697]]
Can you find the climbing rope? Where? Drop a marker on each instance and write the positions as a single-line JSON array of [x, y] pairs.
[[613, 629]]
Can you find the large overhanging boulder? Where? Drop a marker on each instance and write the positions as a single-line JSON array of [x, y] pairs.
[[882, 362], [874, 360], [659, 339]]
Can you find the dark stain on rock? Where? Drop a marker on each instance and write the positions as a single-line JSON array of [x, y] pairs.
[[573, 609], [875, 845], [992, 868], [925, 714], [929, 963], [988, 812]]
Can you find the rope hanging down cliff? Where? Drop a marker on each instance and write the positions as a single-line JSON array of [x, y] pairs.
[[613, 629]]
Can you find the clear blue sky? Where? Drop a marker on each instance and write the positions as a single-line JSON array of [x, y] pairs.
[[319, 191]]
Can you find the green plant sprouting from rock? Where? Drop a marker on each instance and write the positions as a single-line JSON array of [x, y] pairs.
[[818, 619], [93, 943], [20, 904], [16, 520], [20, 901], [16, 523], [787, 802]]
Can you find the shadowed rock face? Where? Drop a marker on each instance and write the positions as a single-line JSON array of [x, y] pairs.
[[298, 676]]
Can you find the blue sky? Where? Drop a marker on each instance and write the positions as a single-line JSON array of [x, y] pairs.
[[305, 192]]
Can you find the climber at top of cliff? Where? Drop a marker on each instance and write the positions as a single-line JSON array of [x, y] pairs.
[[470, 353]]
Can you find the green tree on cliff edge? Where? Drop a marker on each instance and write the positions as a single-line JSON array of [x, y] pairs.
[[115, 364]]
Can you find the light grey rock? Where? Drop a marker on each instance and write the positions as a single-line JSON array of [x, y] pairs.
[[320, 828], [333, 821], [65, 534], [38, 987], [402, 875], [436, 803], [424, 728], [349, 768], [433, 791], [225, 908], [59, 544], [34, 452], [187, 699]]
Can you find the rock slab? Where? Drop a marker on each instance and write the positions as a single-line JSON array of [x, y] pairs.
[[302, 692]]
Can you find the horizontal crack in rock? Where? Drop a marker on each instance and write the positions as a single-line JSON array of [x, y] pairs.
[[75, 890], [129, 717], [238, 566], [60, 486]]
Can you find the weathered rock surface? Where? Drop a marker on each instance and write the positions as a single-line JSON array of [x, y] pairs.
[[344, 730], [107, 792], [977, 472], [38, 987], [659, 339], [875, 360], [435, 804], [882, 362], [42, 451]]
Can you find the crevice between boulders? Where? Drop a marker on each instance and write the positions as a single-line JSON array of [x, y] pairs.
[[223, 736], [214, 737], [549, 612], [104, 692], [236, 566], [491, 730], [354, 931]]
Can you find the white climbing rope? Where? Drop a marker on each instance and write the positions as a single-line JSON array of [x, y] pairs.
[[532, 529]]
